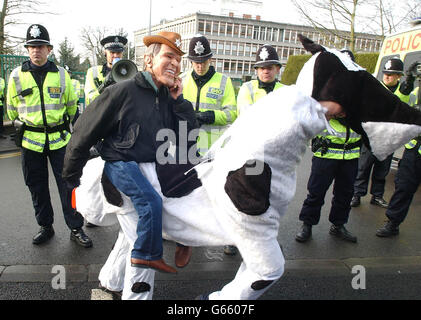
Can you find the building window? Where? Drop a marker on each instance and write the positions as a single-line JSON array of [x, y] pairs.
[[207, 26], [243, 31], [228, 48], [229, 29], [226, 66], [234, 49], [247, 50], [219, 65], [215, 27], [213, 46], [222, 28], [256, 32], [249, 31], [236, 30], [220, 48]]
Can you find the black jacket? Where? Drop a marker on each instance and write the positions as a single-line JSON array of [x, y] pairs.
[[125, 118]]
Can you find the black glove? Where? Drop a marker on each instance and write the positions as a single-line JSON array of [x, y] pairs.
[[72, 183], [205, 117], [412, 70]]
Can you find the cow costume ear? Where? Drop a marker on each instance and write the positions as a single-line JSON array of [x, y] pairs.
[[309, 45]]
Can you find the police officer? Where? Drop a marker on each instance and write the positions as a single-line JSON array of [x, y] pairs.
[[335, 158], [95, 76], [407, 181], [211, 93], [41, 102], [2, 86], [267, 67], [392, 73]]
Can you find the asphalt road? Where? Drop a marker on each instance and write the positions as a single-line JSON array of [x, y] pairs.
[[319, 269]]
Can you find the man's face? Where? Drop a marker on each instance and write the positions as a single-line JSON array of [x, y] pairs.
[[39, 54], [268, 74], [111, 55], [201, 68], [390, 79], [166, 66]]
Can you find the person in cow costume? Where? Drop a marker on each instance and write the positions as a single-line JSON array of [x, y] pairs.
[[248, 177]]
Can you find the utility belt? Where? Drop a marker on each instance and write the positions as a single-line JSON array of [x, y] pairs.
[[324, 144], [21, 127]]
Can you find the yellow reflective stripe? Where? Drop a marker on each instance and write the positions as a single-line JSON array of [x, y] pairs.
[[249, 86]]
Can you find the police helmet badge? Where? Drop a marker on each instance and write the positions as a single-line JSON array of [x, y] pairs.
[[35, 32], [199, 48], [264, 54]]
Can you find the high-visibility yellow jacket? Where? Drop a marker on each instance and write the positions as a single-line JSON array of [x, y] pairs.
[[91, 87], [39, 110], [413, 100], [217, 95], [76, 86], [2, 87], [250, 92], [350, 148]]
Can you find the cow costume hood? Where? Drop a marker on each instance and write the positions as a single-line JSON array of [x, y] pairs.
[[371, 109]]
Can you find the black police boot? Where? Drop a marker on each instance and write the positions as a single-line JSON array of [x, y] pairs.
[[44, 234], [80, 237], [356, 201], [341, 233], [379, 201], [388, 230], [305, 233]]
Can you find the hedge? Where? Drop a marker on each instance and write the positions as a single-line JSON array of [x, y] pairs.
[[295, 64]]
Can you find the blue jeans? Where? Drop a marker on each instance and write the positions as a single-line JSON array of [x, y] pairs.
[[127, 177]]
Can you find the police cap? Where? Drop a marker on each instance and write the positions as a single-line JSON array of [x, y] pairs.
[[114, 43], [266, 56], [393, 66], [199, 49], [37, 35]]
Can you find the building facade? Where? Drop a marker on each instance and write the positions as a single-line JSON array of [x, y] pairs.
[[235, 40]]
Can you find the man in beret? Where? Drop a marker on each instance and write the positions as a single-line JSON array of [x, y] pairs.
[[95, 76], [126, 118]]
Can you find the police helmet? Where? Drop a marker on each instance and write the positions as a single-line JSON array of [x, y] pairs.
[[266, 56], [37, 35], [199, 49], [114, 43], [393, 66]]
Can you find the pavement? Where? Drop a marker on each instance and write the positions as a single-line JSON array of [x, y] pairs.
[[322, 257]]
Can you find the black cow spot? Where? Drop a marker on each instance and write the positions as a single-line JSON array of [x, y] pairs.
[[140, 287], [261, 284], [249, 187]]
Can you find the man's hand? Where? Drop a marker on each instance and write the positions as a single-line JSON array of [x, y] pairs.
[[177, 89]]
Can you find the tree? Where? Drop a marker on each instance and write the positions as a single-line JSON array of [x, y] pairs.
[[332, 17], [11, 15], [68, 57], [91, 39]]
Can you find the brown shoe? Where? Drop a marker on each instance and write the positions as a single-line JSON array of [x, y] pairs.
[[158, 265], [182, 256]]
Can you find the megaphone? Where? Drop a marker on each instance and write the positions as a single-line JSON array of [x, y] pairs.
[[121, 70]]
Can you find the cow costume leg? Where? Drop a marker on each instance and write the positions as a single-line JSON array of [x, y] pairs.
[[112, 273]]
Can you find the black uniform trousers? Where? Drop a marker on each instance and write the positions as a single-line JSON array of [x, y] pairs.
[[407, 181], [323, 173], [367, 163], [35, 173], [1, 119]]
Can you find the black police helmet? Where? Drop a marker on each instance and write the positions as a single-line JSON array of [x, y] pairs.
[[199, 49], [37, 35], [393, 66], [114, 43], [266, 56]]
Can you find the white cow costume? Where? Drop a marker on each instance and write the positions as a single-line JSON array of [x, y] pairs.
[[275, 133]]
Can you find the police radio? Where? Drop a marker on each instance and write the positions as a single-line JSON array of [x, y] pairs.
[[121, 70]]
